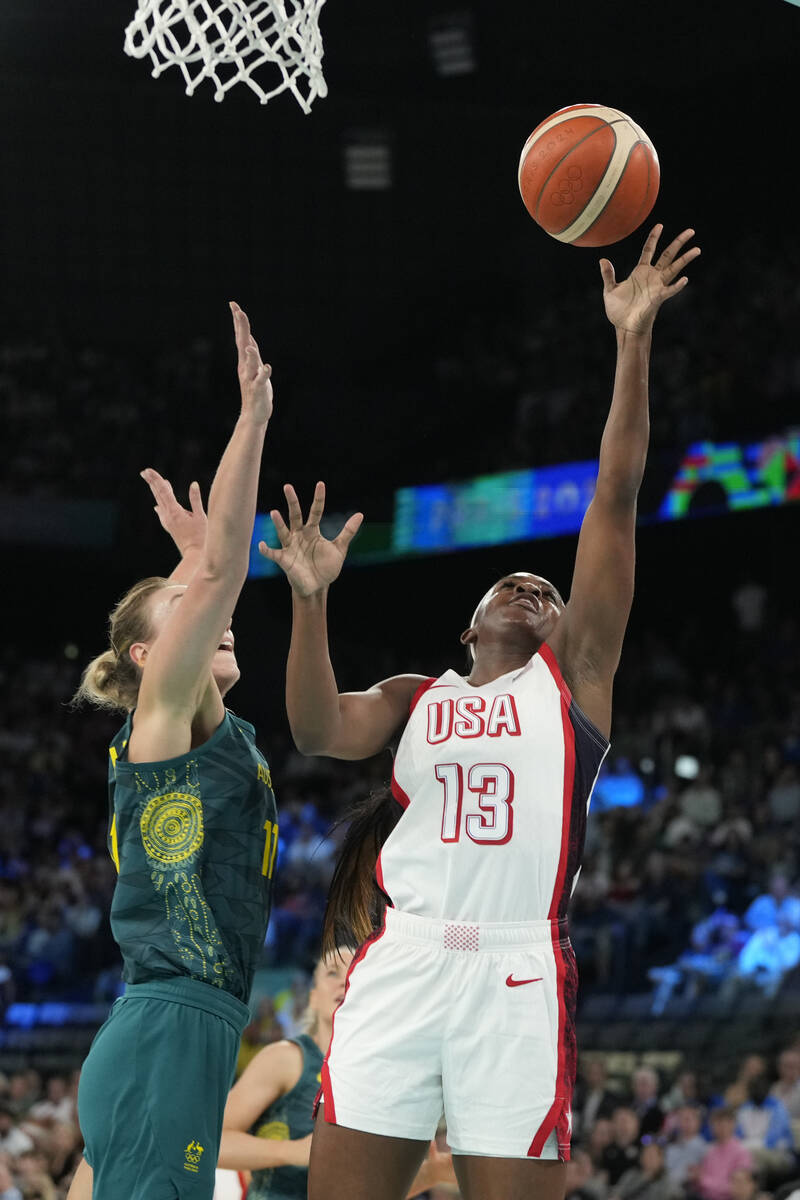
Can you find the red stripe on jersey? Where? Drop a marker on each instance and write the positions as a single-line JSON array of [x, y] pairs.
[[555, 670], [555, 1117], [326, 1090], [420, 692], [569, 783], [398, 792]]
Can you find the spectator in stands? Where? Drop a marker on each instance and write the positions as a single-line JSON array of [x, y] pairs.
[[776, 903], [764, 1127], [783, 798], [8, 1189], [726, 1154], [592, 1098], [58, 1104], [745, 1186], [688, 1149], [646, 1086], [580, 1180], [622, 1152], [767, 956], [649, 1180], [787, 1086], [700, 801], [715, 945], [601, 1136], [738, 1091], [13, 1140]]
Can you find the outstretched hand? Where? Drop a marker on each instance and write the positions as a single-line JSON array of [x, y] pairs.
[[632, 304], [254, 375], [186, 526], [310, 561]]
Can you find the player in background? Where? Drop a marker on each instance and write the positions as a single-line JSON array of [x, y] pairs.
[[464, 1000], [269, 1115], [193, 834]]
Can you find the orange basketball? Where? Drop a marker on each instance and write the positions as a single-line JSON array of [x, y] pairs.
[[588, 175]]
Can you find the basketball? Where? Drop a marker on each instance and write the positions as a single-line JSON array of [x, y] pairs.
[[588, 175]]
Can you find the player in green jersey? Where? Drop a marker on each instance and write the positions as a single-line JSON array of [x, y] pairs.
[[270, 1111], [193, 834]]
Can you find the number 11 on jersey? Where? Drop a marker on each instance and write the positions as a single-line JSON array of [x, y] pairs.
[[270, 848], [483, 809]]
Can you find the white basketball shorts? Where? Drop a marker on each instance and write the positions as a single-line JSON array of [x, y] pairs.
[[475, 1022]]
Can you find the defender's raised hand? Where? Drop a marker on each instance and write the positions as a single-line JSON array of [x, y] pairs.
[[254, 375], [186, 526], [632, 305], [310, 561]]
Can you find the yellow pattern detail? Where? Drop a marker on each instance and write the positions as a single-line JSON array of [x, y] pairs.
[[112, 833], [172, 828], [274, 1131]]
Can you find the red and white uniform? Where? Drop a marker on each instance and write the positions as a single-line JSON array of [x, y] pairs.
[[464, 1002]]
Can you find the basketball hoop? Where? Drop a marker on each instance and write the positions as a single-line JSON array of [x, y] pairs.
[[228, 41]]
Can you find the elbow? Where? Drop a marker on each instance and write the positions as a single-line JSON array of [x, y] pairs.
[[307, 744]]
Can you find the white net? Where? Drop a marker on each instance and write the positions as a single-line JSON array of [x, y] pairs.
[[232, 41]]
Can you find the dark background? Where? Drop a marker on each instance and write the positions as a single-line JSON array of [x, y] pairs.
[[129, 214]]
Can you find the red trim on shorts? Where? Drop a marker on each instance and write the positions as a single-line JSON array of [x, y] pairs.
[[242, 1184], [325, 1093], [556, 1116]]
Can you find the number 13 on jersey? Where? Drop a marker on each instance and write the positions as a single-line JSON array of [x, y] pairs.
[[479, 804]]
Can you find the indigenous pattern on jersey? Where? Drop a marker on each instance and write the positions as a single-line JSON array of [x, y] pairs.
[[291, 1116], [194, 840], [495, 782]]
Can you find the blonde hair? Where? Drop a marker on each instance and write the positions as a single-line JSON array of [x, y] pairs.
[[112, 679]]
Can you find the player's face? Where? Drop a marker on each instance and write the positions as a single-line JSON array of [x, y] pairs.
[[520, 602], [224, 666], [327, 992]]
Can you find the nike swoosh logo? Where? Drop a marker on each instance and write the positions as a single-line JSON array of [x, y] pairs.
[[519, 982]]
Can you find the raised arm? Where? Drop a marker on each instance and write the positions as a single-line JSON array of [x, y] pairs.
[[186, 526], [588, 640], [350, 725], [176, 665]]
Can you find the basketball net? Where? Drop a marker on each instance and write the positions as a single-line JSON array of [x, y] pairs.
[[228, 41]]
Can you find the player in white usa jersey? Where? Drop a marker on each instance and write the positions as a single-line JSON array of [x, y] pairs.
[[463, 1000]]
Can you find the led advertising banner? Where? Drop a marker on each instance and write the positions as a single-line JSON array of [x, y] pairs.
[[517, 506]]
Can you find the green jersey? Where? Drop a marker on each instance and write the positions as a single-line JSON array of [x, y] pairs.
[[194, 840], [291, 1116]]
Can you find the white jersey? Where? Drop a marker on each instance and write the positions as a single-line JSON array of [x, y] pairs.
[[495, 782]]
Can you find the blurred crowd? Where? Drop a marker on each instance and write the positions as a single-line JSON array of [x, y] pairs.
[[639, 1132], [693, 843]]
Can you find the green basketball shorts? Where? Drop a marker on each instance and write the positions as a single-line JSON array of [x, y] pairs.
[[153, 1089]]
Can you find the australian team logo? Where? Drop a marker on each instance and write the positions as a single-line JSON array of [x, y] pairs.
[[191, 1156], [172, 828]]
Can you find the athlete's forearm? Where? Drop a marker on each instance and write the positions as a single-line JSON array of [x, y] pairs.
[[186, 568], [623, 449], [312, 694], [239, 1151], [232, 501]]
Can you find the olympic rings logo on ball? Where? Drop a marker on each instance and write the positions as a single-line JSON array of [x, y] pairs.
[[172, 828]]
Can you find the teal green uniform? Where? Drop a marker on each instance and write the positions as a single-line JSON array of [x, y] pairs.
[[291, 1116], [194, 840]]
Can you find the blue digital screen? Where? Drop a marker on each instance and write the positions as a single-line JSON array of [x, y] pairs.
[[492, 509]]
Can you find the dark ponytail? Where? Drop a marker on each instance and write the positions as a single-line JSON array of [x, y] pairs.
[[355, 902]]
